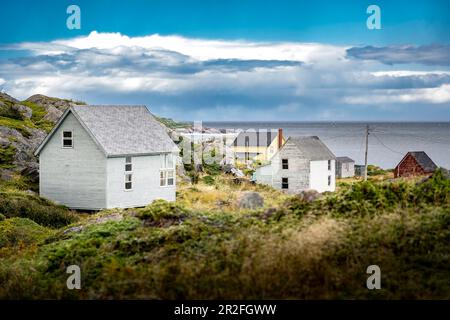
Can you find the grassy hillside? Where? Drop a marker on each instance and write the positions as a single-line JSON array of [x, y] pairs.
[[205, 247]]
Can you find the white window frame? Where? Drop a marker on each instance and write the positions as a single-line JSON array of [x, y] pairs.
[[128, 163], [125, 181], [166, 169], [329, 165], [63, 138]]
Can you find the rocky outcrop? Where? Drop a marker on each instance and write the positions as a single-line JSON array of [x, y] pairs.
[[52, 103], [21, 131], [250, 200], [308, 195]]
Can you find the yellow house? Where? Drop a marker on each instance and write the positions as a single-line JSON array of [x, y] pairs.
[[259, 145]]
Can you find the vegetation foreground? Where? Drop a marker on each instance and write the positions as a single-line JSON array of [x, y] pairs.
[[204, 247]]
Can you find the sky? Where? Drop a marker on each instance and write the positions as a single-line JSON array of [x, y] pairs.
[[235, 60]]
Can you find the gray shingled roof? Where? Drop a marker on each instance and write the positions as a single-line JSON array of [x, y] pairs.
[[424, 161], [123, 129], [312, 148], [258, 138], [344, 159]]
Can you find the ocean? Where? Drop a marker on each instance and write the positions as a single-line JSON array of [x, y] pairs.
[[388, 141]]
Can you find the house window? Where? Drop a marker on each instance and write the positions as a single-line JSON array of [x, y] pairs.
[[329, 180], [329, 164], [284, 183], [247, 142], [67, 139], [166, 178], [347, 167], [128, 181], [167, 161], [128, 164], [284, 163], [167, 172]]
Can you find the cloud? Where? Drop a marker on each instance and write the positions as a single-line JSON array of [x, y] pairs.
[[197, 79], [437, 95], [427, 55]]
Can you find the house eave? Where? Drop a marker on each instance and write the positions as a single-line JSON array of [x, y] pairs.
[[139, 154]]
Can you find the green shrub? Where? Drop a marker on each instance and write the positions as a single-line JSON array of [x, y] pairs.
[[162, 209], [8, 112], [7, 156], [208, 180], [41, 211], [17, 231], [435, 190]]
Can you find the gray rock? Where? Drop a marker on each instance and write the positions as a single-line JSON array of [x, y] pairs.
[[309, 195], [47, 102], [26, 112], [250, 200], [53, 114], [6, 175], [75, 229], [7, 97]]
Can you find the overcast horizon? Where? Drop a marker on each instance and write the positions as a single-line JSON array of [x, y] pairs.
[[236, 61]]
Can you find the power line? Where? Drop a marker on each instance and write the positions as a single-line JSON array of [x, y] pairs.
[[381, 142]]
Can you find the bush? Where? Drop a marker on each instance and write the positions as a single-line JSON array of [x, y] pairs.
[[208, 180], [162, 209], [7, 156], [17, 231], [41, 211]]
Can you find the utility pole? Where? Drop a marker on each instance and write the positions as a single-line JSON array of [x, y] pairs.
[[365, 155]]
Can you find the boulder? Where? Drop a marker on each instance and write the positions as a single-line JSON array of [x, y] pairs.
[[308, 195], [53, 114], [250, 200], [26, 112]]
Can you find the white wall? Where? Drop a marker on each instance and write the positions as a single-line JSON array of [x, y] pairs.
[[75, 177], [319, 176], [264, 174], [146, 188]]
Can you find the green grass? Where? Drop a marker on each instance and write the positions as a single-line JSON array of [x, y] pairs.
[[20, 125], [7, 157], [172, 124], [195, 249], [26, 205], [21, 231], [39, 112]]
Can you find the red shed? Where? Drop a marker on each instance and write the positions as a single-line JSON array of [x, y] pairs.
[[415, 163]]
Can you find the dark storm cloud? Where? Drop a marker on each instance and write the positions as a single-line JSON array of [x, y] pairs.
[[432, 55]]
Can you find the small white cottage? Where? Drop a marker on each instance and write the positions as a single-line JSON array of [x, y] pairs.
[[302, 163], [100, 157]]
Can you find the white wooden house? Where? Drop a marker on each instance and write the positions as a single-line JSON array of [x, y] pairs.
[[100, 157], [302, 163], [345, 167]]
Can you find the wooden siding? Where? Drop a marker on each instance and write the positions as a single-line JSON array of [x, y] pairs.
[[345, 169], [297, 173], [75, 177], [145, 182], [408, 167]]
